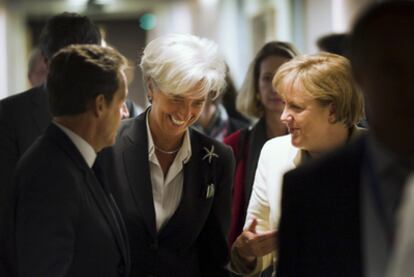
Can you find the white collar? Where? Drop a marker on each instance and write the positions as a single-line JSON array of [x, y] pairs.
[[86, 150]]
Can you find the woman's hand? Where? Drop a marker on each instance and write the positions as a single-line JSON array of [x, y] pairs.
[[251, 244]]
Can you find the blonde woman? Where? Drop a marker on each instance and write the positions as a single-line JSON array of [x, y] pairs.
[[322, 107]]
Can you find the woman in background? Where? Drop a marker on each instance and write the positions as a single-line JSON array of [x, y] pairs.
[[258, 100]]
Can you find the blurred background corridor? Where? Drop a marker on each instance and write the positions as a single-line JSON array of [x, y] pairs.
[[240, 27]]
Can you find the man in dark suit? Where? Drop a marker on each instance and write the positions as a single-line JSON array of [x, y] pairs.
[[62, 220], [339, 213], [24, 117]]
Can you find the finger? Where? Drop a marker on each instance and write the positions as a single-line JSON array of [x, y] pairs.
[[266, 234], [263, 247], [252, 226]]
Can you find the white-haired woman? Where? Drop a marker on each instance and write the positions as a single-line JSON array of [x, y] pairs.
[[172, 183]]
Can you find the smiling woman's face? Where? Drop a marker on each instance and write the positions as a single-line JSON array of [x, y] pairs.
[[307, 120], [170, 116]]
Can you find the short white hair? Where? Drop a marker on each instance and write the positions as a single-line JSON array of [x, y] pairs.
[[178, 63]]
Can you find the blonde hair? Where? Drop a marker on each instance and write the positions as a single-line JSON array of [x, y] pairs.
[[247, 101], [178, 63], [327, 78]]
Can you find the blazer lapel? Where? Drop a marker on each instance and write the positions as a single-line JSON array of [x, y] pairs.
[[135, 159], [93, 184]]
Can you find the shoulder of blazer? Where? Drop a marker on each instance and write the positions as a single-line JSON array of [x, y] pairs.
[[279, 149], [19, 103], [131, 129]]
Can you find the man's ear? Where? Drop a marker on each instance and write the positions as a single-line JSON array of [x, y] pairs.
[[98, 105]]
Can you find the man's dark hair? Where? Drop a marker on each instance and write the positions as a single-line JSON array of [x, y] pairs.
[[66, 29], [79, 73], [393, 13], [334, 43]]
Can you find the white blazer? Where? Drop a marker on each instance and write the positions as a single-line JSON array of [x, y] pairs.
[[278, 156]]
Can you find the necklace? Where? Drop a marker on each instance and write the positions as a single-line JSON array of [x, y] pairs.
[[165, 151]]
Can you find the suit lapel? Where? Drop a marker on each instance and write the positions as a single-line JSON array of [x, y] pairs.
[[93, 185], [135, 159], [103, 203], [40, 111]]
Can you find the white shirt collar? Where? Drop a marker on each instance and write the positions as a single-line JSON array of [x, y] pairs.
[[86, 150], [184, 154]]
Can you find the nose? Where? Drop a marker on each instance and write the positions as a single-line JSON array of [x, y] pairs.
[[124, 111], [286, 117], [185, 110]]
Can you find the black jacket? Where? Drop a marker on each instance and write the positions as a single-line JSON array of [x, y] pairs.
[[61, 221], [193, 242]]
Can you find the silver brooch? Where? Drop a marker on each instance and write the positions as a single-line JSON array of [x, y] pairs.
[[210, 154]]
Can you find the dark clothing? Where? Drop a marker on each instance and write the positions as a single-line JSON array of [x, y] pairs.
[[320, 226], [246, 144], [221, 125], [23, 118], [193, 242], [61, 220]]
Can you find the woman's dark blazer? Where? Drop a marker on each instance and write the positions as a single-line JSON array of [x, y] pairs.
[[193, 242]]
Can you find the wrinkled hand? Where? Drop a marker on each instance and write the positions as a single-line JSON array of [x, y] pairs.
[[251, 244]]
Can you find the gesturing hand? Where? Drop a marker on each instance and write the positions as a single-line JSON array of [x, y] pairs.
[[252, 244]]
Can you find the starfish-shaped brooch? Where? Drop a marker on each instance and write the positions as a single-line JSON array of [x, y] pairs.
[[210, 154]]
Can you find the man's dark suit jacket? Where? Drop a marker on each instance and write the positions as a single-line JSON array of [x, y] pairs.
[[23, 118], [193, 242], [62, 222], [320, 226]]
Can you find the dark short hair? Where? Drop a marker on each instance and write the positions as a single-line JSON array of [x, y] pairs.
[[79, 73], [66, 29], [395, 13], [334, 43]]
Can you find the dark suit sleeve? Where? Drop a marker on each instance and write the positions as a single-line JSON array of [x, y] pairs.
[[214, 254], [47, 207], [8, 149], [290, 239]]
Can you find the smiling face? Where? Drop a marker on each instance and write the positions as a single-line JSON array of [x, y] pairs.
[[171, 115], [307, 120], [270, 100]]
